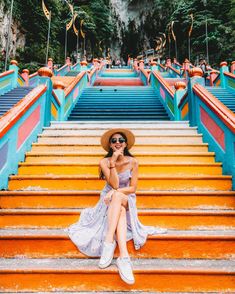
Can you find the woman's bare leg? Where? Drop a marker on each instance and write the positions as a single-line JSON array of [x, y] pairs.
[[118, 199], [121, 233]]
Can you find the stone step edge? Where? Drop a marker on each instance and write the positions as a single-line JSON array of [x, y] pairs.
[[137, 153], [95, 128], [152, 266], [176, 164], [97, 192], [149, 212], [137, 136], [141, 177], [61, 234], [121, 123], [136, 145]]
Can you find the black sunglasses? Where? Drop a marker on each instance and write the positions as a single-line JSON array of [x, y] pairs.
[[120, 140]]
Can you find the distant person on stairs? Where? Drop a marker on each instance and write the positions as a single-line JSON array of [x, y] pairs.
[[114, 219]]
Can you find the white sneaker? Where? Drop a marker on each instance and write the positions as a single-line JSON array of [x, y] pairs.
[[125, 270], [107, 254]]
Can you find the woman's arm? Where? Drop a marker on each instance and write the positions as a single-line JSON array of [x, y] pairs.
[[133, 183], [110, 172]]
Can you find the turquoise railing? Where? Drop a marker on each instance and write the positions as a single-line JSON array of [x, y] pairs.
[[217, 124], [18, 129]]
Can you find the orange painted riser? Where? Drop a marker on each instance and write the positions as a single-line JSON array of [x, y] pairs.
[[144, 169], [118, 82], [221, 183], [155, 247], [67, 200], [109, 280], [179, 220]]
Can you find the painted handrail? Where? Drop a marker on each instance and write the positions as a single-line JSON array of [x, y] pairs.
[[33, 79], [19, 127], [68, 97], [174, 70], [6, 81], [225, 114], [93, 75], [144, 76], [229, 81], [63, 70], [217, 124], [164, 91], [164, 83]]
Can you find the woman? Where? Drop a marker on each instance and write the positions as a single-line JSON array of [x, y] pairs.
[[114, 219]]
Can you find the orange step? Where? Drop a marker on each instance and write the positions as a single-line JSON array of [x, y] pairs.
[[165, 183], [171, 219], [152, 169], [71, 147], [174, 244], [145, 199], [149, 157], [82, 275]]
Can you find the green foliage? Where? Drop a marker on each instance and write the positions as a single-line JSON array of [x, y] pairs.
[[100, 27]]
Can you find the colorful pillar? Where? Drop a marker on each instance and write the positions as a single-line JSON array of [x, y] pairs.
[[141, 64], [59, 87], [45, 75], [180, 88], [154, 65], [14, 66], [233, 67], [83, 65], [25, 75], [223, 68], [50, 63], [196, 76]]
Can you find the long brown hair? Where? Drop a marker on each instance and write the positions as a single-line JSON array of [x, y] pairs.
[[126, 152]]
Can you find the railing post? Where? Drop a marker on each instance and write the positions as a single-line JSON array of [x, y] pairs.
[[141, 64], [50, 63], [233, 67], [213, 75], [83, 65], [25, 75], [180, 88], [154, 66], [14, 66], [195, 75], [223, 68], [59, 87], [45, 75]]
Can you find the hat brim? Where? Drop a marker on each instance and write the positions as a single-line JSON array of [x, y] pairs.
[[106, 136]]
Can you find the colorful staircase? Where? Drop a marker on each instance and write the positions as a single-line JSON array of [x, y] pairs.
[[119, 103], [224, 95], [181, 188], [11, 98]]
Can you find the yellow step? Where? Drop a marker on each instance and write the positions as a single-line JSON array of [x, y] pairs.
[[150, 157], [145, 199], [171, 219], [72, 147], [175, 244], [92, 141], [168, 183], [61, 168]]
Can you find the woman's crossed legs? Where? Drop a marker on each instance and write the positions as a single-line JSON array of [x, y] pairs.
[[117, 221]]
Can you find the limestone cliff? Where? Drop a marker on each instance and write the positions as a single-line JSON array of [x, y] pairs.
[[17, 36]]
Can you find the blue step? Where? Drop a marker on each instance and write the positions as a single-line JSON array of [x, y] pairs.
[[11, 98], [118, 103], [224, 95]]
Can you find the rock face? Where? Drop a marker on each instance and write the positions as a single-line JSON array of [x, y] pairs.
[[17, 36], [126, 14]]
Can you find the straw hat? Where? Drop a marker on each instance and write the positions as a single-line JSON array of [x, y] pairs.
[[106, 136]]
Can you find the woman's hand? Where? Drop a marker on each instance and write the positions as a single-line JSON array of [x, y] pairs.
[[117, 153], [108, 196]]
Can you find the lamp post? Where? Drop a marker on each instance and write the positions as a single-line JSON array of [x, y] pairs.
[[207, 50], [8, 35]]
